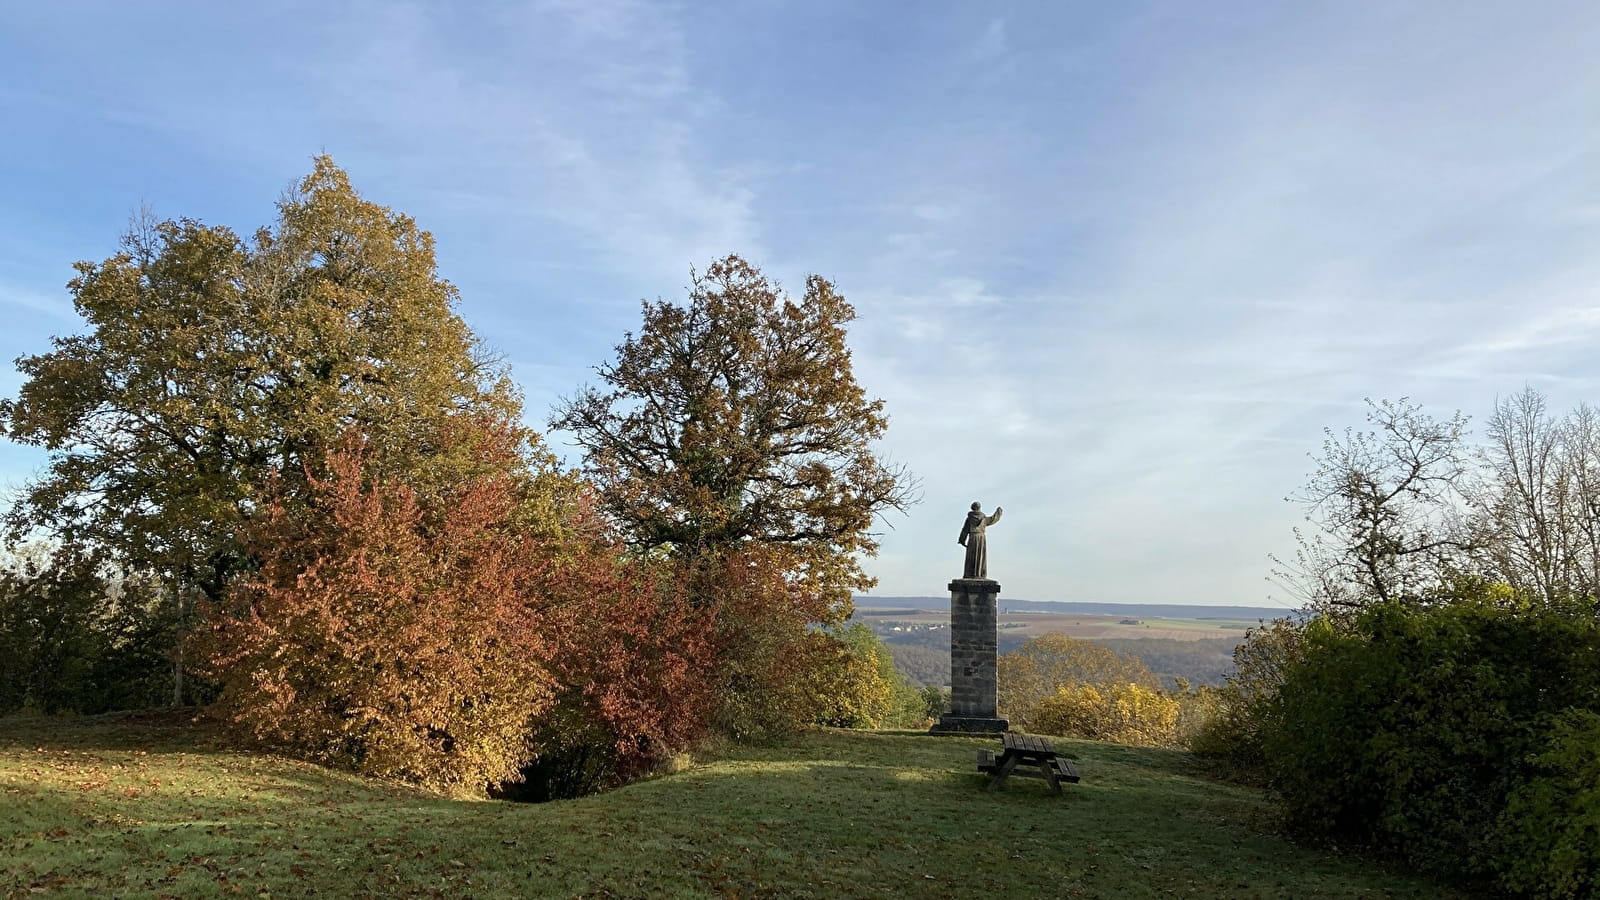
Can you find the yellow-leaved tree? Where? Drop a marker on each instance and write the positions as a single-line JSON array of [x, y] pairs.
[[1045, 664]]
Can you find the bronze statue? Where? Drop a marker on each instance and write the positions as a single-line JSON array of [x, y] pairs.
[[972, 538]]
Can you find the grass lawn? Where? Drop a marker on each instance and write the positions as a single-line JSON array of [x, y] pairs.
[[141, 807]]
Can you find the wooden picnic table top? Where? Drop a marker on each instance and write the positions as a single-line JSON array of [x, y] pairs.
[[1027, 745]]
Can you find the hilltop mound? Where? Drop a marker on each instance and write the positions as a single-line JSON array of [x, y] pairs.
[[117, 806]]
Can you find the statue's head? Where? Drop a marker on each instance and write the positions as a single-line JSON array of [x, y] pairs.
[[976, 506]]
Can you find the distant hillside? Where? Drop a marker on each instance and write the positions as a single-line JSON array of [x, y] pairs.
[[1192, 643], [1134, 610]]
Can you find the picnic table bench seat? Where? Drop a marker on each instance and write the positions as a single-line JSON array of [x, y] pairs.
[[986, 761]]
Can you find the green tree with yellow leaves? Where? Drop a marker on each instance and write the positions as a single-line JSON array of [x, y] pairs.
[[213, 367], [736, 420]]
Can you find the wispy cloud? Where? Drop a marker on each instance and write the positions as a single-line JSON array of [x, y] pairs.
[[56, 307], [590, 124]]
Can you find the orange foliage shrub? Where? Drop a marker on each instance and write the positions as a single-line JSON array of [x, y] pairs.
[[632, 651], [388, 636]]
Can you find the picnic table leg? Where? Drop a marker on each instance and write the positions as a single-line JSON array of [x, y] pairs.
[[1050, 775], [1001, 772]]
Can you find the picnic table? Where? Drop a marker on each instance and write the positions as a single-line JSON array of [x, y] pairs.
[[1030, 752]]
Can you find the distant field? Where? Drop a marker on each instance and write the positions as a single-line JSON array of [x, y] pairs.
[[1198, 651], [1033, 624]]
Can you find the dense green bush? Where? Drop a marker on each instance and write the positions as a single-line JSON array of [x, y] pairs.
[[933, 703], [1425, 731], [576, 756], [849, 686], [1551, 826], [75, 639], [910, 705], [1230, 718], [856, 685]]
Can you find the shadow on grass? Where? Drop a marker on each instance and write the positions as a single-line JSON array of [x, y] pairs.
[[163, 730]]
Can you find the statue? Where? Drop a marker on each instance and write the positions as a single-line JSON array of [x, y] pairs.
[[972, 538]]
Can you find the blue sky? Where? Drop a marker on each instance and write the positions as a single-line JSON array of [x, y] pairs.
[[1116, 265]]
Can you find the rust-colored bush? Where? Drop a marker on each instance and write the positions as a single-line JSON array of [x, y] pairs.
[[389, 636], [632, 651]]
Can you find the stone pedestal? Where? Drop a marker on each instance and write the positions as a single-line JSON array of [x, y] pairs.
[[973, 647]]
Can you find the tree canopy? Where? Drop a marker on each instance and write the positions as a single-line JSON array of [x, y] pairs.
[[385, 634], [1385, 503], [737, 419], [1403, 509], [211, 365]]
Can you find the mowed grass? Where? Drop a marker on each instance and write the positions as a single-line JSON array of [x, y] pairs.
[[146, 807]]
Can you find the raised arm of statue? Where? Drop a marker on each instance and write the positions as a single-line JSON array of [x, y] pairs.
[[994, 518]]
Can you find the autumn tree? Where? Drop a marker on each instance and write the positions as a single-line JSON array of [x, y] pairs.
[[210, 362], [1044, 665], [1122, 713], [770, 665], [630, 654], [731, 439], [737, 420]]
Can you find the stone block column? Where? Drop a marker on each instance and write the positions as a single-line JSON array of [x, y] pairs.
[[974, 644]]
